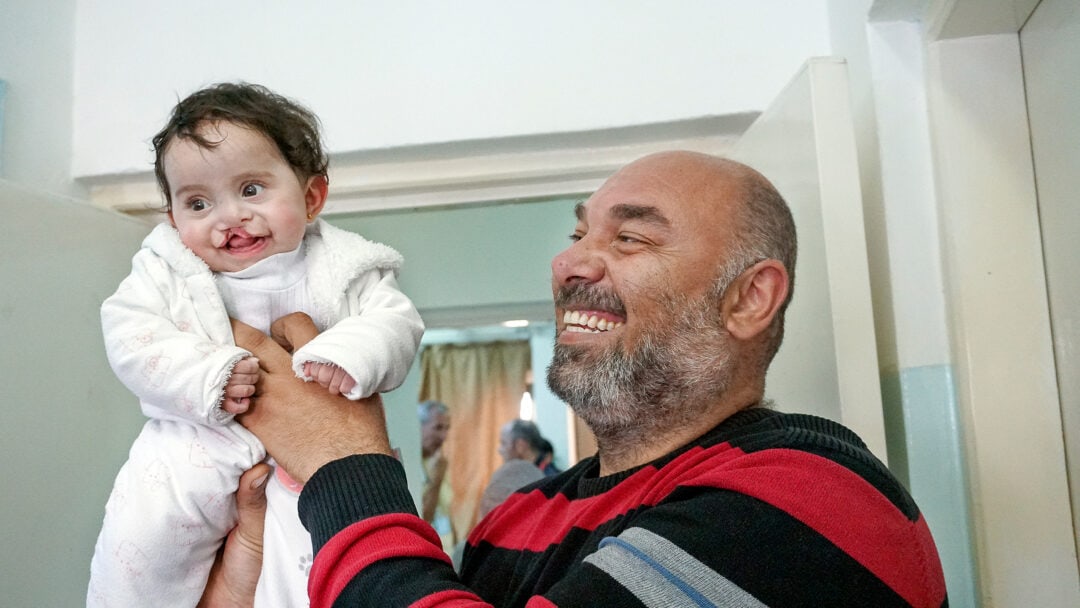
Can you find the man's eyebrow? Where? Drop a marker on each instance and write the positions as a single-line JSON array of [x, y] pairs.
[[579, 211], [626, 211], [644, 213]]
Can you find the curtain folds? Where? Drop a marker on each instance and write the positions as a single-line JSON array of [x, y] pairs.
[[482, 385]]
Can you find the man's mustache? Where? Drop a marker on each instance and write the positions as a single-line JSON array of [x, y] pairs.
[[589, 296]]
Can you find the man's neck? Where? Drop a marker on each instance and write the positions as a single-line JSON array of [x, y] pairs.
[[642, 445]]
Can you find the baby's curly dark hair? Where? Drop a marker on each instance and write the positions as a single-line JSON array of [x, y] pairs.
[[291, 126]]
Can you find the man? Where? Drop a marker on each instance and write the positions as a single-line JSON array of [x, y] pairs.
[[434, 425], [546, 459], [670, 304], [521, 440]]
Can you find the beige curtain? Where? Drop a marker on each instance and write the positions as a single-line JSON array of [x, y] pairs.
[[482, 385]]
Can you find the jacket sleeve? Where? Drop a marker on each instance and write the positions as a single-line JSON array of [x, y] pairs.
[[375, 343], [169, 363]]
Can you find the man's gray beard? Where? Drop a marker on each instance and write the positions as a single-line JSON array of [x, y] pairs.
[[672, 376]]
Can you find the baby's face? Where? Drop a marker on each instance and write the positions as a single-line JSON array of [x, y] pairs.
[[238, 202]]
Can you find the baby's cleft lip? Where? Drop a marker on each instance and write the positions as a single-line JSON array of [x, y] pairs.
[[591, 320], [237, 238]]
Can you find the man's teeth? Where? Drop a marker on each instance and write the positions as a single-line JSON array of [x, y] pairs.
[[582, 322]]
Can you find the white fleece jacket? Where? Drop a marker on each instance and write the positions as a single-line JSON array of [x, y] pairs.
[[168, 338]]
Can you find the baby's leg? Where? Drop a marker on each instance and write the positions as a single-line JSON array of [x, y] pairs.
[[170, 508], [287, 554]]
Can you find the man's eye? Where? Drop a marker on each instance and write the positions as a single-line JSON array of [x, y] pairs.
[[252, 190], [575, 237], [626, 238]]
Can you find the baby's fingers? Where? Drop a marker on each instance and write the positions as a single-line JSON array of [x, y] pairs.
[[239, 391], [236, 405], [247, 365]]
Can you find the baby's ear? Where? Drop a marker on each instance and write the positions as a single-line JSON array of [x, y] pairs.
[[753, 299], [315, 192]]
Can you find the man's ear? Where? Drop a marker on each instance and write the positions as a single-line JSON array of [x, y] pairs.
[[753, 299], [315, 193]]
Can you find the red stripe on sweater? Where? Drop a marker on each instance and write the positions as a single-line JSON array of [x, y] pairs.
[[365, 542], [462, 599], [836, 502], [646, 487], [849, 511], [454, 598]]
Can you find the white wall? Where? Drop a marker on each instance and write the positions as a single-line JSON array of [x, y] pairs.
[[1049, 40], [385, 74], [1001, 328], [36, 62], [925, 441], [67, 421]]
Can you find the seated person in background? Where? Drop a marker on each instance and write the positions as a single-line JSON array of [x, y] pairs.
[[670, 306], [511, 476], [506, 479], [244, 176], [546, 460], [521, 440]]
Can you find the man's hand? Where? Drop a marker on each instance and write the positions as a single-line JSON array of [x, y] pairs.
[[301, 424], [236, 571]]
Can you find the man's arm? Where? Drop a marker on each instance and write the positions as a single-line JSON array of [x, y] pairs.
[[429, 501], [303, 427], [301, 424], [358, 483]]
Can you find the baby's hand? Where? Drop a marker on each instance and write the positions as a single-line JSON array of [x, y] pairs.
[[241, 386], [331, 376]]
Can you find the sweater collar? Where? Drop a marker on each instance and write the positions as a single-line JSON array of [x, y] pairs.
[[279, 271]]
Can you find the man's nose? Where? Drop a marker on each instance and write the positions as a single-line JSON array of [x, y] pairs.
[[580, 262]]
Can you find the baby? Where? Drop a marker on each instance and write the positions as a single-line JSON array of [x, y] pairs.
[[244, 176]]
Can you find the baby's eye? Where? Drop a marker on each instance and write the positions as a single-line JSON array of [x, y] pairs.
[[197, 204], [251, 190]]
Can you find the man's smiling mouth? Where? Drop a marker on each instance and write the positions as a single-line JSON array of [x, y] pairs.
[[586, 322]]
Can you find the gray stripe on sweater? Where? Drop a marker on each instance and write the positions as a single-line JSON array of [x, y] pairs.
[[662, 575]]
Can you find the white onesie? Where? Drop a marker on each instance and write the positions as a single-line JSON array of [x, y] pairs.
[[168, 339]]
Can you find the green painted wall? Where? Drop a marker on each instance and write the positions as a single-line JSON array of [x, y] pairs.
[[473, 256]]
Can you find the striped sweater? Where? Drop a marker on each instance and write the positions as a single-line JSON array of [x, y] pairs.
[[767, 509]]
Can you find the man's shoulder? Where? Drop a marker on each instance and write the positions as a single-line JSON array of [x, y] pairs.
[[762, 428], [819, 448]]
